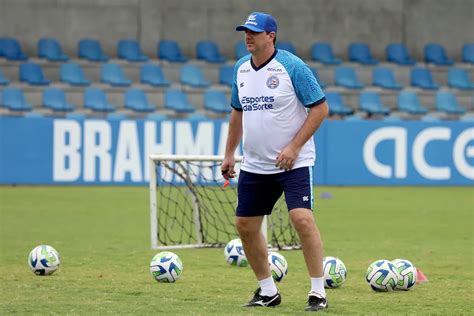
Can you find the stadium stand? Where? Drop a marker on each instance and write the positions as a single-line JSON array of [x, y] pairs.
[[177, 101], [360, 53], [322, 52], [55, 100], [3, 80], [346, 77], [436, 54], [152, 74], [447, 102], [96, 100], [156, 116], [192, 75], [32, 74], [409, 102], [422, 78], [73, 74], [137, 101], [130, 50], [288, 46], [90, 49], [226, 73], [383, 77], [216, 101], [337, 105], [14, 100], [209, 52], [10, 48], [467, 54], [398, 53], [169, 50], [113, 75], [459, 78], [371, 103], [50, 49], [240, 50]]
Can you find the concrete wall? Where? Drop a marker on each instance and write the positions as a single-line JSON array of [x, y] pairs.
[[377, 22]]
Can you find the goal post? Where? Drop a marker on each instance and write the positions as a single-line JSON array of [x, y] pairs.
[[190, 207]]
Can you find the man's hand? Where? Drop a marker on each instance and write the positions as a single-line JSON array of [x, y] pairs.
[[227, 168], [287, 157]]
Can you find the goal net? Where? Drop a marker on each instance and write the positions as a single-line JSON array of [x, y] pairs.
[[191, 207]]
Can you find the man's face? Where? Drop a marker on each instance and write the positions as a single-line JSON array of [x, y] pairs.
[[258, 41]]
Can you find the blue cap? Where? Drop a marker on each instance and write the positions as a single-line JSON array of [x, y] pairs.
[[259, 22]]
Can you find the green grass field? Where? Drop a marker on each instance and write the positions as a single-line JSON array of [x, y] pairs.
[[102, 235]]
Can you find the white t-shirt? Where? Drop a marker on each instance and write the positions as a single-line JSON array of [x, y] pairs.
[[274, 99]]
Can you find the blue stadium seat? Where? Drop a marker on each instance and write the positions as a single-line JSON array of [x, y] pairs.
[[91, 50], [193, 76], [421, 77], [347, 77], [240, 50], [467, 53], [11, 49], [153, 75], [435, 53], [169, 50], [197, 117], [136, 100], [32, 74], [288, 46], [130, 50], [50, 49], [383, 77], [216, 101], [446, 102], [156, 116], [2, 41], [96, 100], [459, 78], [14, 99], [370, 102], [72, 74], [55, 99], [360, 53], [409, 102], [337, 105], [3, 80], [226, 74], [398, 53], [177, 101], [209, 51], [322, 52], [322, 84], [113, 75]]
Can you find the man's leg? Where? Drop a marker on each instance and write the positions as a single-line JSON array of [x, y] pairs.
[[310, 238], [312, 246], [255, 248], [254, 243]]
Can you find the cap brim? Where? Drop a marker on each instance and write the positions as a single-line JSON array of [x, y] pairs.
[[249, 27]]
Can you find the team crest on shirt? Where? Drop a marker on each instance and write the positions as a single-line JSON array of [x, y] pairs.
[[273, 82]]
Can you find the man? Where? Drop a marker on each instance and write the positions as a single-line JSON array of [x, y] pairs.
[[277, 107]]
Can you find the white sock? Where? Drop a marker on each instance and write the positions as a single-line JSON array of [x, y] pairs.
[[317, 286], [268, 287]]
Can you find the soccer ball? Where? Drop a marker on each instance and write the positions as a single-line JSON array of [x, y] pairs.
[[382, 276], [43, 260], [166, 267], [407, 274], [234, 253], [335, 272], [278, 266]]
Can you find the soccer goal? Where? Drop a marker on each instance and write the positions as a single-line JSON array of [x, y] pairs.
[[192, 206]]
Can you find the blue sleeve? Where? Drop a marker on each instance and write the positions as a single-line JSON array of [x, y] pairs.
[[306, 86], [234, 99]]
